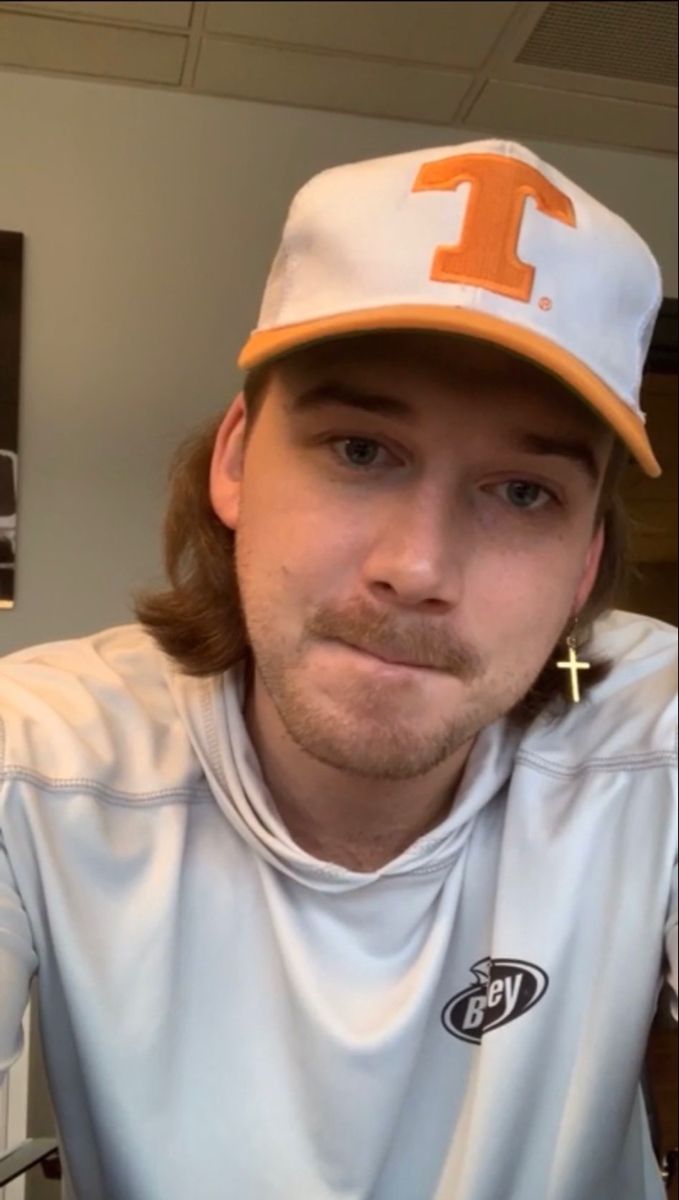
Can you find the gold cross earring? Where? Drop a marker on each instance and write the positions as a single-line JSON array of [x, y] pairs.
[[574, 665]]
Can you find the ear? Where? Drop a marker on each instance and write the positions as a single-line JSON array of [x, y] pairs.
[[590, 569], [226, 467]]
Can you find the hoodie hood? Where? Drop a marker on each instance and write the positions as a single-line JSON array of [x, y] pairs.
[[212, 712]]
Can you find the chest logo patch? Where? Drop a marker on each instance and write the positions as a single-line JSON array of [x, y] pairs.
[[505, 989]]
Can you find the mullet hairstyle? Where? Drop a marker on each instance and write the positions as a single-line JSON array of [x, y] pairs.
[[198, 620]]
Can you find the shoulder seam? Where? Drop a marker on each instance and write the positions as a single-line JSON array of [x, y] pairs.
[[201, 794], [621, 762]]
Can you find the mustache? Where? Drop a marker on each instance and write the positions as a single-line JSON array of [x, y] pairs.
[[425, 645]]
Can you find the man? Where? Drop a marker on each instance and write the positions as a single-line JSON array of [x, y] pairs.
[[349, 870]]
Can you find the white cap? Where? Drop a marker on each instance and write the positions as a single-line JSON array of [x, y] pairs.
[[483, 239]]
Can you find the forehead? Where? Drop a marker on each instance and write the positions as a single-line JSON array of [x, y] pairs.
[[443, 374]]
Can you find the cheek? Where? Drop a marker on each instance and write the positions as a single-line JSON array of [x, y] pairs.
[[519, 603], [292, 545]]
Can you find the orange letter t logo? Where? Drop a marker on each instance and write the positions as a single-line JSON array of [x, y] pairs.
[[486, 255]]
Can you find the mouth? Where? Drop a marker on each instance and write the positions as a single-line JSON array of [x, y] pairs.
[[387, 660]]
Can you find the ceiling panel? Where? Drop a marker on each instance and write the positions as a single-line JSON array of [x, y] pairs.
[[175, 14], [592, 85], [567, 70], [99, 50], [634, 40], [542, 112], [328, 81], [452, 34]]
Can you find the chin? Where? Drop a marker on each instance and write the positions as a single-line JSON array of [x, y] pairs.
[[389, 741]]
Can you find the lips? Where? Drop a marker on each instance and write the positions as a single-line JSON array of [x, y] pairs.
[[390, 660]]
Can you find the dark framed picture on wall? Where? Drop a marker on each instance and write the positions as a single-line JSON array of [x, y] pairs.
[[11, 276]]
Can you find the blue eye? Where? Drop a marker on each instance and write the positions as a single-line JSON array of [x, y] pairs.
[[360, 452], [523, 494]]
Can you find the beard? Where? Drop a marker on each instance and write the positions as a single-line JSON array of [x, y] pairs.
[[353, 720], [366, 733]]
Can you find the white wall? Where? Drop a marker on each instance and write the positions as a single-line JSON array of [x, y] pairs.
[[150, 220]]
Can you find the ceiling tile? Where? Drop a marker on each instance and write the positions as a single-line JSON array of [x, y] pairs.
[[588, 85], [524, 45], [512, 108], [52, 45], [635, 40], [450, 34], [174, 14], [328, 81]]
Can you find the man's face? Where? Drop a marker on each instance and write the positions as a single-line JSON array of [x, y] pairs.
[[415, 528]]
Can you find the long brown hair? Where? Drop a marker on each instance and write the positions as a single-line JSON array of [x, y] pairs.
[[198, 620]]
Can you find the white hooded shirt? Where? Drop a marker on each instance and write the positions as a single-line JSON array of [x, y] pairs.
[[224, 1015]]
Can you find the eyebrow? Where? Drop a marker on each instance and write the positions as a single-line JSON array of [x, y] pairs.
[[332, 393], [327, 395], [573, 449]]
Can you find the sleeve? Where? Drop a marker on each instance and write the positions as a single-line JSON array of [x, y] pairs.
[[18, 962], [672, 948]]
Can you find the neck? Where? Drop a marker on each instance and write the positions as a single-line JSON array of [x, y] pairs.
[[356, 822]]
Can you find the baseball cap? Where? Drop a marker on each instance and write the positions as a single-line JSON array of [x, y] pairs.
[[482, 239]]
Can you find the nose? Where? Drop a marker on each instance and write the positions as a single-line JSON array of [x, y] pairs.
[[415, 558]]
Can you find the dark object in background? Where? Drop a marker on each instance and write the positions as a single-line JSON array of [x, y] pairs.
[[11, 277]]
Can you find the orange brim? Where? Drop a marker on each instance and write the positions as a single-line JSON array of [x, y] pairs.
[[271, 343]]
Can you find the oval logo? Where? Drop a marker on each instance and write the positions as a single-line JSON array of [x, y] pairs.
[[505, 989]]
